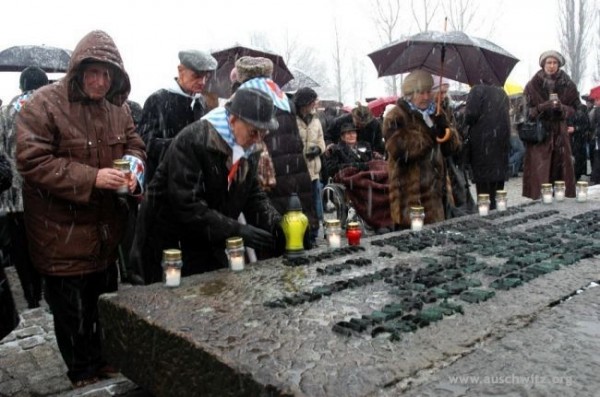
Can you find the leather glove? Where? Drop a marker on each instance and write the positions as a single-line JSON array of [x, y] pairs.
[[440, 125], [255, 237], [313, 152]]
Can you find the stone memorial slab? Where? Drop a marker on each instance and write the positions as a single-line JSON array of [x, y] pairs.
[[354, 321]]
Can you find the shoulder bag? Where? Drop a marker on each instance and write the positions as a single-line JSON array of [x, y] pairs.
[[532, 131]]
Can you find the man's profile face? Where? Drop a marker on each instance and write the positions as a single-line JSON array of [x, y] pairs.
[[97, 79], [192, 82]]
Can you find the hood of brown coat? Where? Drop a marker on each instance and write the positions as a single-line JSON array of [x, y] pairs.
[[98, 46]]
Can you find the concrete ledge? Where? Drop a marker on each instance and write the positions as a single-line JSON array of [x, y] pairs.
[[215, 336]]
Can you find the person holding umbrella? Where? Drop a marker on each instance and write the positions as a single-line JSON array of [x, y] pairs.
[[553, 97], [418, 138]]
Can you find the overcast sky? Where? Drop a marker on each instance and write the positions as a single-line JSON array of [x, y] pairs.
[[150, 33]]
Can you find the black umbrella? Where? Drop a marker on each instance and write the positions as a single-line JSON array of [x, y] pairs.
[[220, 83], [467, 59], [300, 80], [50, 59]]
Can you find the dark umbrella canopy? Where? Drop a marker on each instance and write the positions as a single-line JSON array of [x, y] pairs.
[[220, 83], [301, 79], [467, 59], [50, 59]]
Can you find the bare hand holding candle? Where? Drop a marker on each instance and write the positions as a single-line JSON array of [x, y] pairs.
[[123, 166]]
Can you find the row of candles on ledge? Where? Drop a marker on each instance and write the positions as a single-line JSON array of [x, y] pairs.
[[557, 192], [172, 262], [549, 193]]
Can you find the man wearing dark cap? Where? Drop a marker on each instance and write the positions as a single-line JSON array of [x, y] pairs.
[[11, 201], [168, 110], [367, 126], [206, 179]]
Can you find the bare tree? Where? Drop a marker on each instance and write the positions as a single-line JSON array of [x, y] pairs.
[[576, 19], [386, 17], [308, 60], [426, 7], [337, 62]]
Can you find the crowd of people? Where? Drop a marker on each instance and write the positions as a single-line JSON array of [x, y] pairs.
[[201, 173]]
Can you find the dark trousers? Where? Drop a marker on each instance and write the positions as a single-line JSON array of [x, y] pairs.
[[73, 301], [490, 188], [30, 279]]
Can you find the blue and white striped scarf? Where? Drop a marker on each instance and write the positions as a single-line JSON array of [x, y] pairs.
[[219, 119], [426, 113]]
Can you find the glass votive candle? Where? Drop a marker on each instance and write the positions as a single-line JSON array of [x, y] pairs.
[[235, 253], [172, 265], [547, 193], [123, 166], [501, 200], [333, 233], [353, 233], [483, 204], [582, 191], [559, 190], [417, 218]]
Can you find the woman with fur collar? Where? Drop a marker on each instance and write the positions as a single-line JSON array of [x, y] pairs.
[[550, 160], [417, 140]]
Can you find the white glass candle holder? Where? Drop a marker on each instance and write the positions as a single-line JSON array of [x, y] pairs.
[[235, 253], [172, 265], [559, 190], [582, 191], [501, 200], [123, 166], [333, 233], [417, 218], [546, 193], [483, 204]]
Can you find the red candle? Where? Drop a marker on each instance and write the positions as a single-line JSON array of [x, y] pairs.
[[353, 233]]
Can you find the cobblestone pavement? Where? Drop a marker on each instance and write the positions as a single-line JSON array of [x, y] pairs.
[[31, 365]]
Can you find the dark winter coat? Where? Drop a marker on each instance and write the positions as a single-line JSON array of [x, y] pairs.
[[417, 170], [488, 118], [63, 139], [342, 156], [370, 133], [579, 139], [188, 203], [291, 172], [165, 114], [550, 160]]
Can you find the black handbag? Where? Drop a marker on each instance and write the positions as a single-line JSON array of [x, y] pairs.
[[532, 131]]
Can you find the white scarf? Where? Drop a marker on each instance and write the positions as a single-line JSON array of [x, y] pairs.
[[176, 89]]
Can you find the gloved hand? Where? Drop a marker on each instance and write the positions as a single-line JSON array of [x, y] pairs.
[[440, 124], [255, 237], [313, 152]]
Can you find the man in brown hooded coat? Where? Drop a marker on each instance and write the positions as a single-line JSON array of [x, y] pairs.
[[67, 138]]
